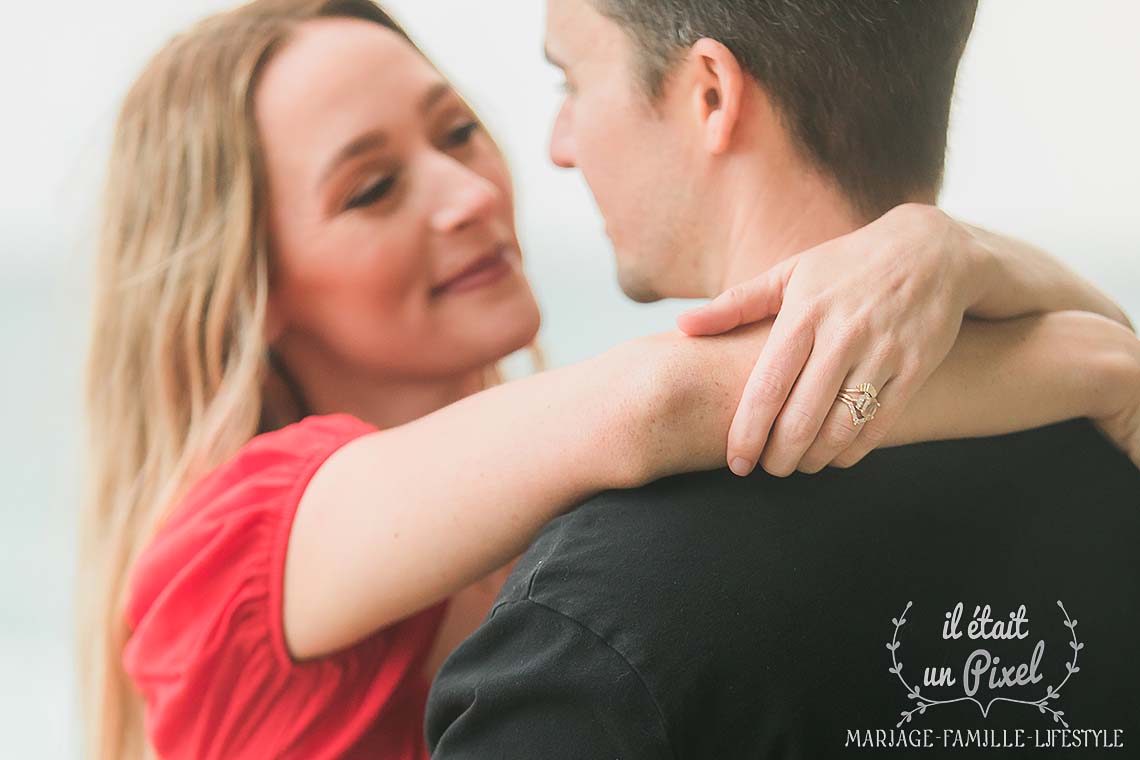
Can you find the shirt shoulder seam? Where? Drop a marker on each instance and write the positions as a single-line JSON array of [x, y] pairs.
[[605, 642]]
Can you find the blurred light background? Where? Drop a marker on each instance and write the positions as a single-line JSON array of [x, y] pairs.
[[1043, 146]]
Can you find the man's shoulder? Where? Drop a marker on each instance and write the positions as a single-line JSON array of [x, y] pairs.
[[721, 601], [667, 536]]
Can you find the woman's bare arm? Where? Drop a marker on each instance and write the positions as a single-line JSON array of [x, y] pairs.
[[883, 305], [400, 519], [1022, 373], [999, 377], [1021, 279]]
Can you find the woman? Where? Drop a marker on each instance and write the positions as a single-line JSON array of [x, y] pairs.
[[302, 498]]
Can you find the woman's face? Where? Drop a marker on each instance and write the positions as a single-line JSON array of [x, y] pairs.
[[390, 211]]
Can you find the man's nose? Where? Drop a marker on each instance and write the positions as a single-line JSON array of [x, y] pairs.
[[562, 140], [466, 196]]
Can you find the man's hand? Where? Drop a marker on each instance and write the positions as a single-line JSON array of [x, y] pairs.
[[883, 305]]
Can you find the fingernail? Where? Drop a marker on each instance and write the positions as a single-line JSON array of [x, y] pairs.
[[741, 466]]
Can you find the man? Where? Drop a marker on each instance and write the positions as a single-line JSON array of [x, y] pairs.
[[935, 598]]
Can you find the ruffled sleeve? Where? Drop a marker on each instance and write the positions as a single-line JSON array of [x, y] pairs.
[[207, 649]]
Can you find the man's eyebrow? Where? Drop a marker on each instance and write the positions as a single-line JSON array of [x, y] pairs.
[[375, 138]]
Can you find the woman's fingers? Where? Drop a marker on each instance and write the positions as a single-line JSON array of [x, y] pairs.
[[832, 318], [781, 360], [839, 433], [801, 423], [750, 301], [893, 400]]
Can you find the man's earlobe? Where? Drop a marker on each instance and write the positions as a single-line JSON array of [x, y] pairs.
[[721, 88]]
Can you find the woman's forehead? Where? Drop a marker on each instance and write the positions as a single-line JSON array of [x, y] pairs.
[[334, 67], [334, 79]]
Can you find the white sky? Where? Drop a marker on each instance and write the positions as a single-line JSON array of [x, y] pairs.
[[1043, 141]]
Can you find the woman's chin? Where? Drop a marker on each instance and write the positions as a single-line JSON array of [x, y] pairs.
[[519, 332], [494, 332]]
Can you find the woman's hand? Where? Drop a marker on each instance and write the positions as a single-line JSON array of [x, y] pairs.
[[881, 305]]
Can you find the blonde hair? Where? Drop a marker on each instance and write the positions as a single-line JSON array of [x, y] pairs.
[[178, 363]]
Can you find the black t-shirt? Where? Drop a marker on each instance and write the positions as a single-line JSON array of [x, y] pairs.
[[710, 616]]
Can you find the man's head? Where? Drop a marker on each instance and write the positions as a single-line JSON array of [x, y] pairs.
[[690, 118]]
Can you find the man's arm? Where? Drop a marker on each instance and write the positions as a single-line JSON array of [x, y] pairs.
[[532, 682]]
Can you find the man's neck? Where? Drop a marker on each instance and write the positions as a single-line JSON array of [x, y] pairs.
[[768, 216]]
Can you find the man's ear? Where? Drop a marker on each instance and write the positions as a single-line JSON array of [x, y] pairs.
[[720, 82]]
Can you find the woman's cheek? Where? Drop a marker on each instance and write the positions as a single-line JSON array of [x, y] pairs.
[[394, 267]]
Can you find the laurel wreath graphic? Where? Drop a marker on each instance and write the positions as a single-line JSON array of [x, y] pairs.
[[924, 702]]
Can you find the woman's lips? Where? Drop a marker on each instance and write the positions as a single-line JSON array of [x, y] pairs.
[[485, 271]]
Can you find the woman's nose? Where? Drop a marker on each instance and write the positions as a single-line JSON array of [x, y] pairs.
[[466, 197]]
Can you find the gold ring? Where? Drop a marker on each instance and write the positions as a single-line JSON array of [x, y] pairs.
[[862, 401]]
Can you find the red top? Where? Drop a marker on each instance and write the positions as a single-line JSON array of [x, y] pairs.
[[208, 652]]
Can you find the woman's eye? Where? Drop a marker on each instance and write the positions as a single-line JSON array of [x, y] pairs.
[[459, 137], [372, 194]]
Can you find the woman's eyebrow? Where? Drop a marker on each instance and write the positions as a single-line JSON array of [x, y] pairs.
[[434, 94], [370, 140], [375, 138]]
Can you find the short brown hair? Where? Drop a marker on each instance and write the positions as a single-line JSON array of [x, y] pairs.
[[864, 85]]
